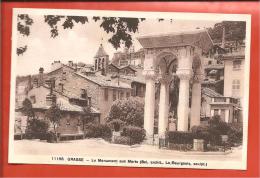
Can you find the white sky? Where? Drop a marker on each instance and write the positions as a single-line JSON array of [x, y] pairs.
[[81, 43]]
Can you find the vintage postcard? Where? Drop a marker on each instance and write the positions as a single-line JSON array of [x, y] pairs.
[[136, 89]]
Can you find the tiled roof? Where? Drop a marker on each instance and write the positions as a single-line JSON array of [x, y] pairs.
[[198, 38], [211, 93], [105, 81], [139, 79], [101, 52], [64, 105]]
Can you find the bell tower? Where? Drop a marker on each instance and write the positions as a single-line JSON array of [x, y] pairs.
[[101, 60]]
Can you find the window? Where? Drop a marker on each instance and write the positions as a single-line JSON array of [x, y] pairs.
[[33, 99], [83, 93], [114, 95], [236, 65], [121, 95], [127, 94], [106, 94], [235, 87], [209, 62]]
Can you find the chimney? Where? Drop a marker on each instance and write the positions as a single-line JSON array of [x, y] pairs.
[[223, 38], [70, 63], [40, 81], [35, 83], [51, 99]]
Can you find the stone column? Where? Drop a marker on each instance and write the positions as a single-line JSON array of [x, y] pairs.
[[184, 72], [164, 105], [196, 101], [149, 103], [183, 105]]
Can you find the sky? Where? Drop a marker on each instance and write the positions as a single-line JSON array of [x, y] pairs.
[[81, 43]]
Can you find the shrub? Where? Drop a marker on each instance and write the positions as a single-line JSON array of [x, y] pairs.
[[130, 111], [116, 124], [181, 147], [51, 137], [201, 132], [235, 134], [136, 134], [98, 131], [179, 137], [122, 140], [36, 129]]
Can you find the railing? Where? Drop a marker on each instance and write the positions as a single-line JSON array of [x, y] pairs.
[[224, 100]]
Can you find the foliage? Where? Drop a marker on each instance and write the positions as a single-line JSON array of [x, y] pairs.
[[51, 137], [116, 124], [23, 24], [201, 132], [212, 133], [23, 27], [130, 111], [181, 147], [180, 137], [217, 127], [21, 50], [36, 129], [122, 28], [235, 134], [122, 140], [27, 108], [234, 31], [54, 116], [98, 131], [136, 134]]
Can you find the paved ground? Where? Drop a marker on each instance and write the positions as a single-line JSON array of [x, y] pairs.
[[98, 147]]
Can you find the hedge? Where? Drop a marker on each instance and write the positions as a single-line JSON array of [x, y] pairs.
[[180, 137], [98, 131], [136, 134]]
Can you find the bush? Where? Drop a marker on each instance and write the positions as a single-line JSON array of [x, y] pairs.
[[116, 124], [181, 147], [51, 137], [122, 140], [36, 129], [136, 134], [179, 137], [130, 111], [98, 131], [201, 132], [235, 134]]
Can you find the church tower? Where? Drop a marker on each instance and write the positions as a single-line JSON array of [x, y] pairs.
[[101, 60]]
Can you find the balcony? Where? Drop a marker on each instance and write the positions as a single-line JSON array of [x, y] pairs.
[[224, 100]]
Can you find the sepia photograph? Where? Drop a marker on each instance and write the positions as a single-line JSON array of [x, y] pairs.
[[134, 89]]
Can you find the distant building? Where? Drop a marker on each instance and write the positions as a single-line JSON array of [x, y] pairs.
[[129, 57]]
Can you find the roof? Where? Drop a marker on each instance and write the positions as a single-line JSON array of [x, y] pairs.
[[211, 93], [105, 81], [198, 38], [139, 79], [101, 52], [128, 66]]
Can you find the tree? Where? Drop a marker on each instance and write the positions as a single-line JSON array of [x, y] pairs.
[[130, 111], [27, 109], [234, 31], [86, 116], [54, 115], [122, 28], [37, 128]]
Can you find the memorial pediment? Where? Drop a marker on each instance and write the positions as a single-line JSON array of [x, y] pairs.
[[197, 38]]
